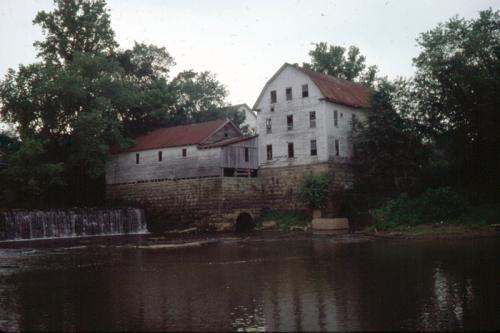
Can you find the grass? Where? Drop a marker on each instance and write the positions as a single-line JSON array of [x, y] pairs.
[[285, 219], [438, 230]]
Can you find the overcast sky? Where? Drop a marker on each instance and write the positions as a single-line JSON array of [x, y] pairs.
[[245, 42]]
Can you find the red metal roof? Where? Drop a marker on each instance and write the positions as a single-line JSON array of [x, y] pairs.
[[174, 136], [229, 141], [340, 91]]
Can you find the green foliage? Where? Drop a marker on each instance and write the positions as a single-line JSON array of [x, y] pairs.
[[313, 189], [481, 215], [455, 93], [85, 95], [333, 60], [434, 205], [30, 180], [285, 219], [77, 26], [388, 145], [8, 143]]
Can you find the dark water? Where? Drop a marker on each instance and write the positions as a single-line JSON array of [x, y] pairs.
[[287, 285]]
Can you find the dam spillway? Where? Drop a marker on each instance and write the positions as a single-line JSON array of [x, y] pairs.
[[69, 223]]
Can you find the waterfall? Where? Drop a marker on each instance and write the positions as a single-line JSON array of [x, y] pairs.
[[67, 223]]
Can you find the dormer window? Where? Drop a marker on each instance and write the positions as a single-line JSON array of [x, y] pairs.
[[288, 92], [273, 96], [305, 91]]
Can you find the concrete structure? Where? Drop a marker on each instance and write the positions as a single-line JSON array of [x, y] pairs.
[[305, 117], [330, 224], [208, 149]]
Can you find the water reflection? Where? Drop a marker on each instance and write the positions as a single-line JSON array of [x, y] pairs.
[[307, 285]]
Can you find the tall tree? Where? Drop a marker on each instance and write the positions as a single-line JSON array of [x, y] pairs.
[[333, 60], [77, 26], [456, 88], [389, 145], [86, 94]]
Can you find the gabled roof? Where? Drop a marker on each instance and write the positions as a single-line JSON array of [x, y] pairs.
[[229, 141], [184, 135], [245, 105], [334, 90]]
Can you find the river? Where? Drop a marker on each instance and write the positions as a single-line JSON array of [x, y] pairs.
[[261, 284]]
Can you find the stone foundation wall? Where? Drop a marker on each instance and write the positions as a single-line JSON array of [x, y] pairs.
[[280, 186], [181, 203]]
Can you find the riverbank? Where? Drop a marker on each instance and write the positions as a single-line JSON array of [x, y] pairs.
[[434, 231]]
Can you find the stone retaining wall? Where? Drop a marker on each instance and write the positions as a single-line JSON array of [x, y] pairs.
[[203, 201], [280, 186], [179, 203]]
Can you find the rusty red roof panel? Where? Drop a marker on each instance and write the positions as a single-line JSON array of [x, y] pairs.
[[340, 91], [229, 141], [174, 136]]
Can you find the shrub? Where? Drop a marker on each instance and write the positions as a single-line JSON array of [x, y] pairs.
[[313, 189], [285, 219], [440, 204], [434, 205]]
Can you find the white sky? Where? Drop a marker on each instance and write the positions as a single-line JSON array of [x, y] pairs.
[[245, 42]]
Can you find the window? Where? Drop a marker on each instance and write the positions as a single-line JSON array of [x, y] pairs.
[[337, 147], [305, 90], [273, 96], [136, 158], [160, 156], [269, 150], [184, 152], [353, 121], [288, 92], [225, 134], [335, 118], [289, 122], [272, 108], [312, 119], [268, 125], [290, 149], [247, 157], [314, 149]]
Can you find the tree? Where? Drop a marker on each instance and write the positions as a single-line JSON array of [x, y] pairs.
[[456, 91], [77, 26], [200, 97], [332, 60], [389, 145], [85, 94], [30, 180]]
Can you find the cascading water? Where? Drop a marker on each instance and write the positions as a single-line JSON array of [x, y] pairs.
[[67, 223]]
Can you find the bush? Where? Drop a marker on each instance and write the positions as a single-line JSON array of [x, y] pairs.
[[481, 215], [434, 205], [440, 204], [313, 189], [285, 219]]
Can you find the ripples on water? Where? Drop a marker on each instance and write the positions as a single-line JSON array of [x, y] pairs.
[[312, 285]]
